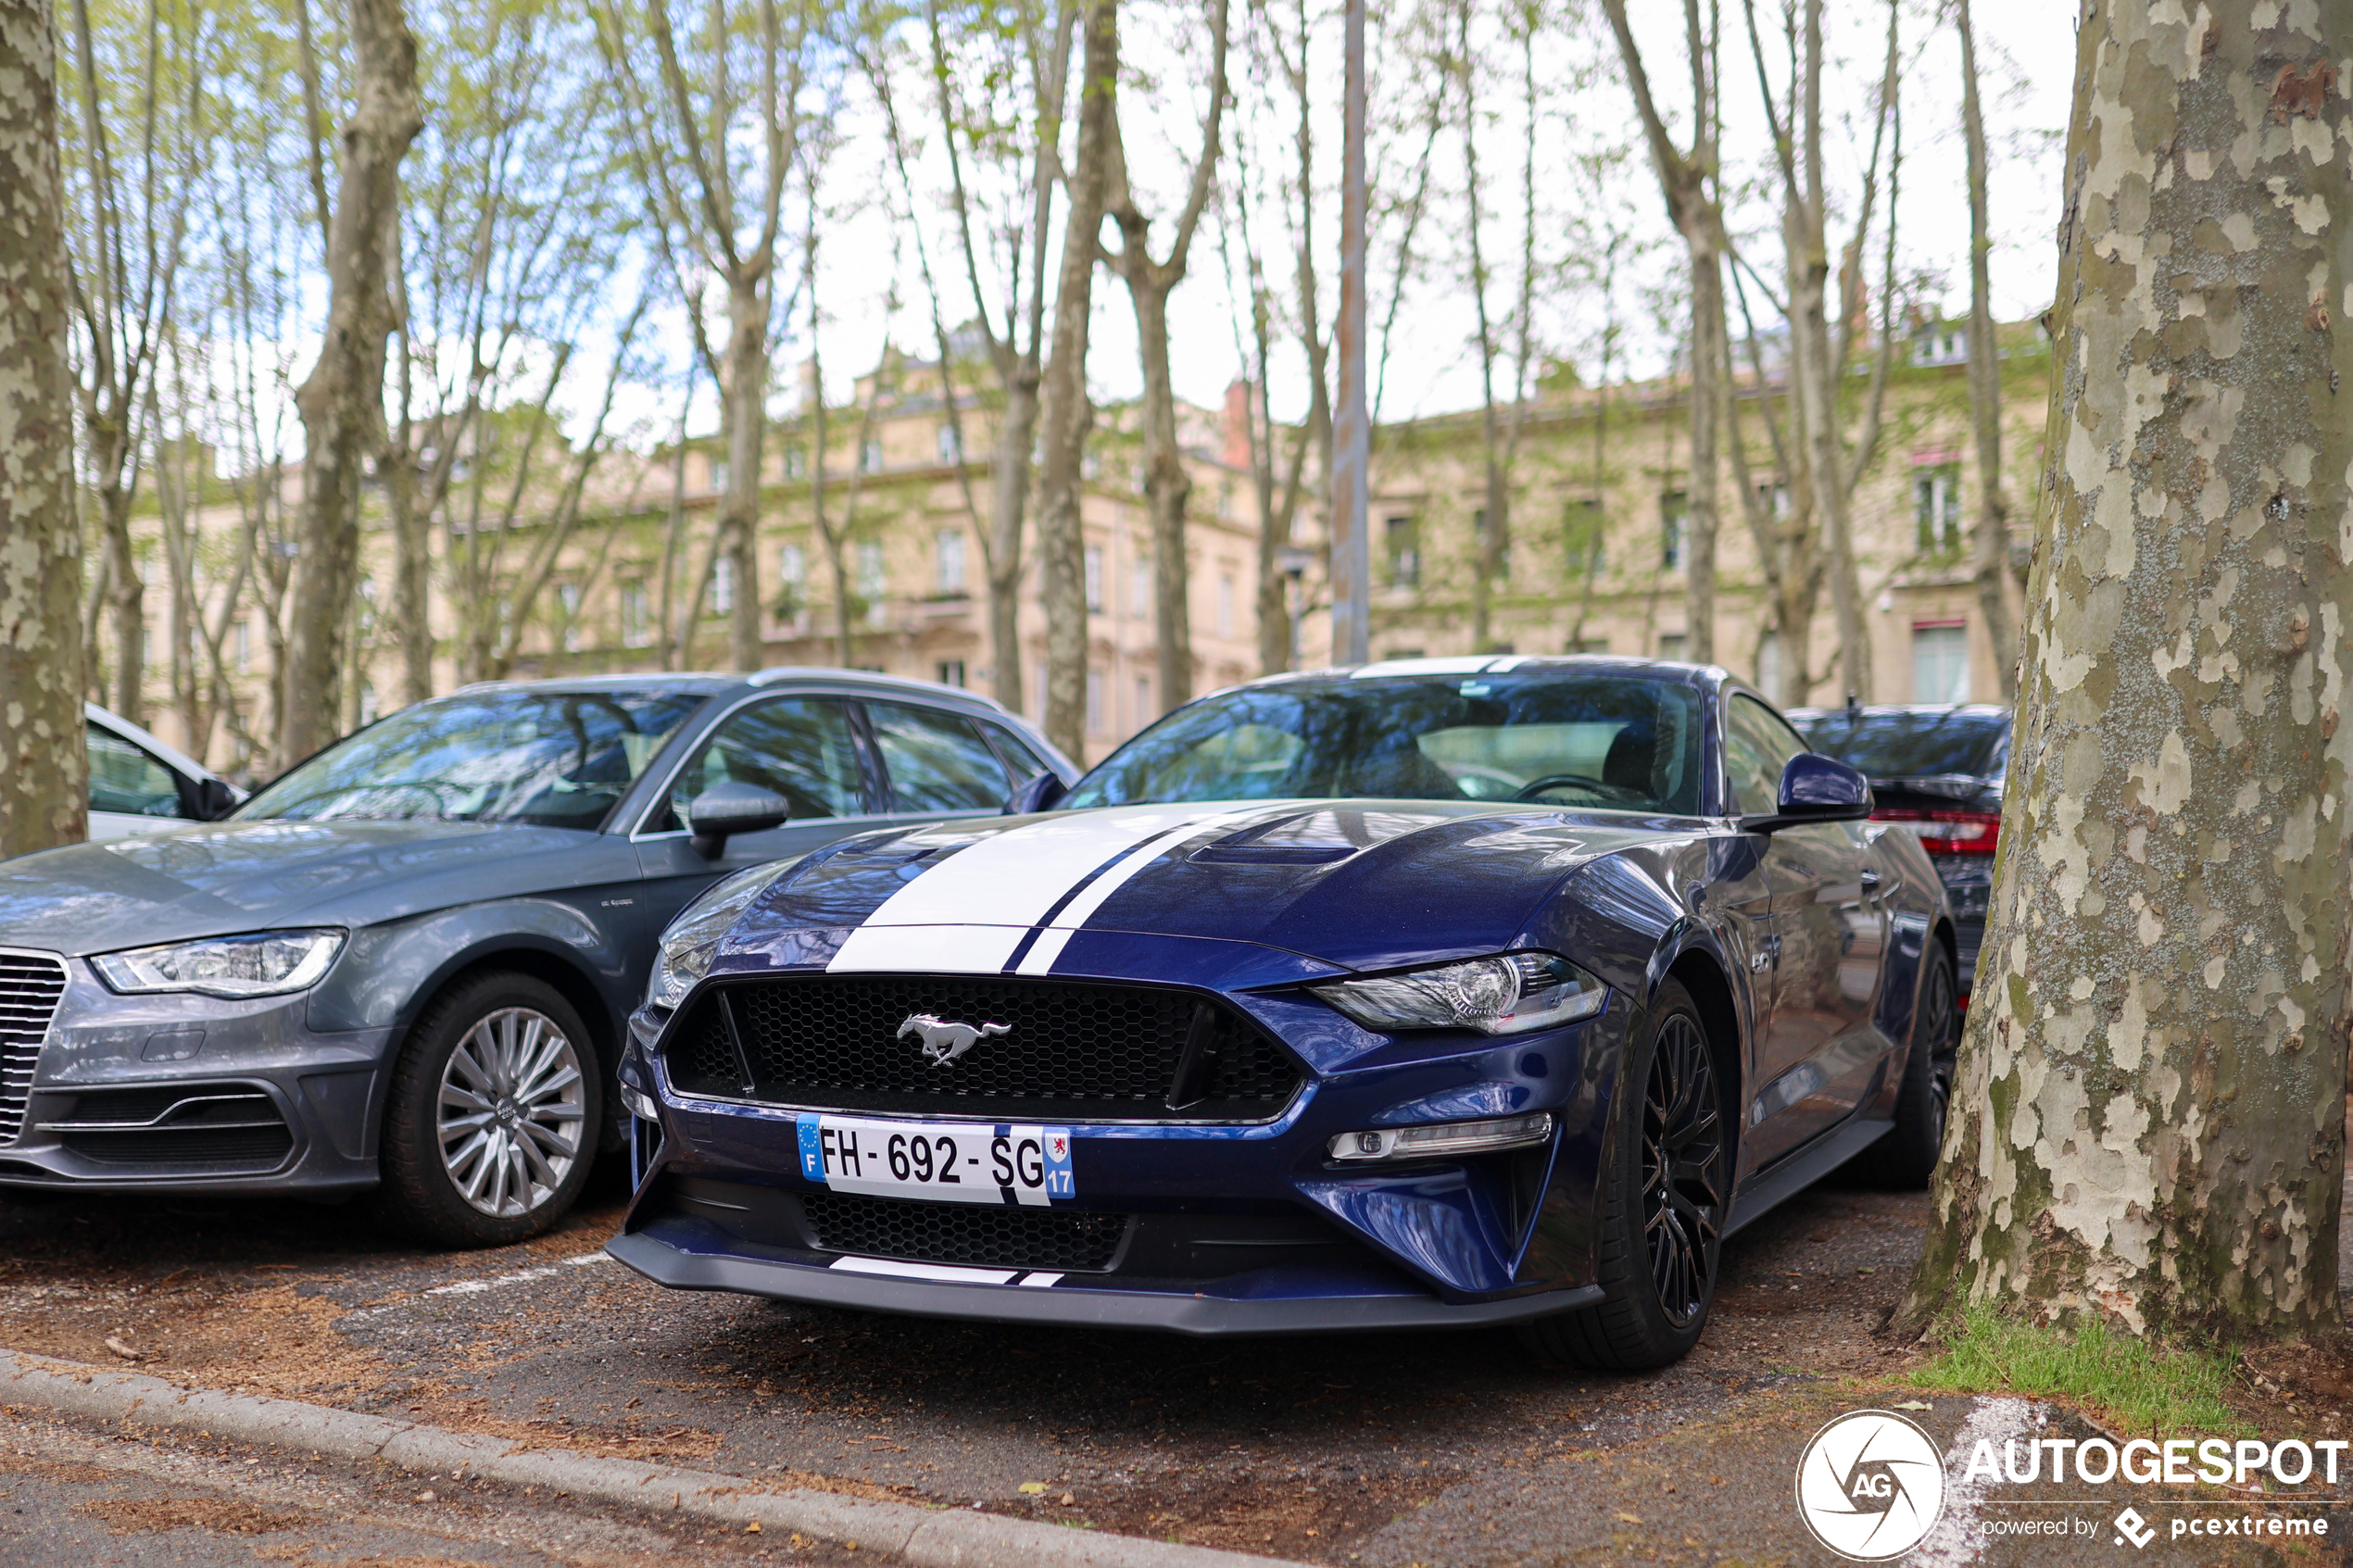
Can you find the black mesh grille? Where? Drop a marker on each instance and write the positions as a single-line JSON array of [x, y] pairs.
[[981, 1234], [254, 1148], [1071, 1048]]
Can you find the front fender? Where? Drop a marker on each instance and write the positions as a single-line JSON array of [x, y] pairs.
[[390, 971]]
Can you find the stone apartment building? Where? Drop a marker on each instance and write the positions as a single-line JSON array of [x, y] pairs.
[[1594, 564]]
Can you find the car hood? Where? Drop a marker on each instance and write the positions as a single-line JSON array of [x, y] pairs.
[[214, 880], [1358, 884]]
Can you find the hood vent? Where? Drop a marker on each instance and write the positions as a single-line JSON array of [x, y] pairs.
[[1311, 838]]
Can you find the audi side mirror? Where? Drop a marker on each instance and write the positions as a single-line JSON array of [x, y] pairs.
[[215, 799], [726, 810], [1816, 789], [1038, 793]]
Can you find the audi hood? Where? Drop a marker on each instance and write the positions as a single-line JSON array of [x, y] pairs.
[[230, 877], [1353, 885]]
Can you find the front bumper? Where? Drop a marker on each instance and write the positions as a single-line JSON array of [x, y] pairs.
[[195, 1094], [1224, 1228]]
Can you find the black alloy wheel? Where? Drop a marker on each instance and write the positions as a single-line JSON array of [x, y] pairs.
[[1664, 1194], [1683, 1171], [1906, 1158]]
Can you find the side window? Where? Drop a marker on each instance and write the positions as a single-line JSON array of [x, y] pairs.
[[937, 761], [1757, 745], [123, 778], [800, 748], [1025, 763]]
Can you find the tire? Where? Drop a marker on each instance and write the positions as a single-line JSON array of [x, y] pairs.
[[1665, 1191], [1907, 1157], [493, 1115]]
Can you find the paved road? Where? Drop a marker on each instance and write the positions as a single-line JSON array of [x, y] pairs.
[[1395, 1450]]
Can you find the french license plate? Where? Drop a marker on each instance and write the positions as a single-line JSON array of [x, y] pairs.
[[942, 1161]]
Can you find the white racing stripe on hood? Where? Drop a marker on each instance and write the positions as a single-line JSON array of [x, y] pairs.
[[1040, 958], [968, 913]]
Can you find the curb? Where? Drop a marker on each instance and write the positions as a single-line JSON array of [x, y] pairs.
[[927, 1538]]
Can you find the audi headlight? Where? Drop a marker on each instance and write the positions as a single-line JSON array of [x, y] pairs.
[[267, 963], [1499, 996], [692, 939]]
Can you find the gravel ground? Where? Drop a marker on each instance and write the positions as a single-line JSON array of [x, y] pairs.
[[1375, 1450]]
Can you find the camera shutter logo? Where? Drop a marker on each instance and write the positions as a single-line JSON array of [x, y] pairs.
[[1871, 1486]]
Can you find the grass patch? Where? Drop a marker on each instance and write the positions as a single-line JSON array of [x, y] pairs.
[[2128, 1383]]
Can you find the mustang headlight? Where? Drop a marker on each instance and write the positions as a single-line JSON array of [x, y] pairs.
[[692, 939], [1498, 995], [267, 963]]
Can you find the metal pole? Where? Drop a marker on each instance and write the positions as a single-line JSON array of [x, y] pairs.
[[1352, 568]]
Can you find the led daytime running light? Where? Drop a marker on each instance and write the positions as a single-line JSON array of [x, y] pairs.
[[1443, 1139]]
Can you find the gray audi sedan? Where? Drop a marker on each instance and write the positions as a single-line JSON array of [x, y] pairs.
[[404, 969]]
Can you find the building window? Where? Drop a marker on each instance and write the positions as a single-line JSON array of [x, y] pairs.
[[950, 671], [1095, 578], [951, 446], [367, 702], [1674, 514], [1404, 552], [1143, 700], [718, 471], [874, 587], [948, 559], [1095, 702], [796, 462], [1769, 670], [241, 644], [568, 595], [1582, 537], [723, 585], [1936, 509], [1940, 661], [1672, 643], [636, 620], [1940, 342], [1139, 587], [870, 457], [1225, 604]]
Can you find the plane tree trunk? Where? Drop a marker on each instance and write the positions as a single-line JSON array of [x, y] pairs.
[[1990, 549], [2148, 1122], [43, 797]]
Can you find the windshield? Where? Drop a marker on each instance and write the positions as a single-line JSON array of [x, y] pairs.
[[550, 759], [1612, 742], [1911, 744]]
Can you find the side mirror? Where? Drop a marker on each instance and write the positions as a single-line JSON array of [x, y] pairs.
[[215, 799], [1816, 789], [1038, 793], [726, 810]]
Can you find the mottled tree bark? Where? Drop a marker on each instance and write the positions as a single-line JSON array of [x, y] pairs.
[[1067, 415], [44, 791], [2149, 1117], [342, 400], [1990, 545]]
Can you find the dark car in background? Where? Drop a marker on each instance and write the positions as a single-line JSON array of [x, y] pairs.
[[404, 968], [1936, 771]]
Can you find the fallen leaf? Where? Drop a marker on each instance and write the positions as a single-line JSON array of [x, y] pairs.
[[1631, 1519], [1068, 1500], [1033, 1488], [1914, 1405], [752, 1528], [125, 1351]]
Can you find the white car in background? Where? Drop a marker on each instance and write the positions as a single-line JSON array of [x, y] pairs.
[[138, 785]]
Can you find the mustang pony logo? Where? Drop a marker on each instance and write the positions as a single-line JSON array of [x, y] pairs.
[[945, 1040]]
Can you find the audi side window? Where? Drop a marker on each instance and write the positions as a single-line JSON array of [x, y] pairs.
[[797, 747], [1757, 745], [124, 778], [937, 761]]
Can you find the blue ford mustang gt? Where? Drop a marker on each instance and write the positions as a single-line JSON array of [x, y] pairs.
[[1437, 993]]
